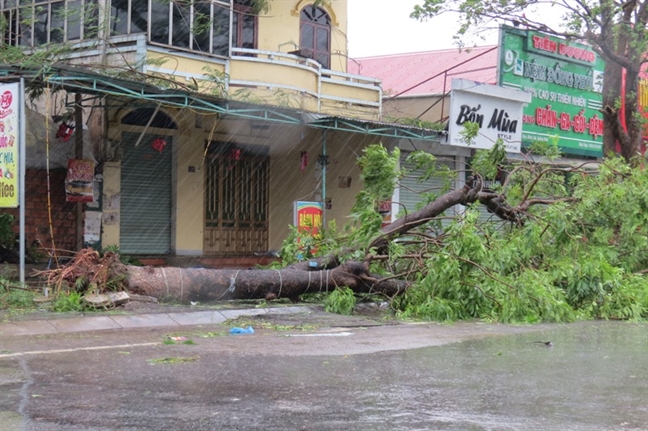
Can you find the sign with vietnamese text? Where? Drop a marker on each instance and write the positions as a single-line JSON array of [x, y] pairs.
[[308, 216], [9, 110], [496, 110], [565, 79]]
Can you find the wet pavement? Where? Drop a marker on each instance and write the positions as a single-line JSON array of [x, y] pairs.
[[304, 369]]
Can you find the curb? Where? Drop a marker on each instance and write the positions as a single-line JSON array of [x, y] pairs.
[[134, 321]]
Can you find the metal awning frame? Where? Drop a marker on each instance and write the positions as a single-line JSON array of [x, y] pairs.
[[98, 86], [367, 127]]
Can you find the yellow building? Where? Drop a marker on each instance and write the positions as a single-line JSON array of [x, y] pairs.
[[219, 115]]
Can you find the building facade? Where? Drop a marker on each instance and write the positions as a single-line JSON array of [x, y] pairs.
[[563, 78], [205, 121]]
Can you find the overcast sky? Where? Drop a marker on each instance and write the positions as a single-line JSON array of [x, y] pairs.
[[378, 27]]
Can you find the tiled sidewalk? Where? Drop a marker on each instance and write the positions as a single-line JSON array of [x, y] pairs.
[[131, 321]]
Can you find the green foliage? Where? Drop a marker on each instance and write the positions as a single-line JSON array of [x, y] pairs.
[[469, 132], [68, 301], [296, 247], [378, 172], [582, 257], [217, 81], [14, 296], [487, 162], [260, 6], [340, 301], [547, 149], [7, 236], [125, 259]]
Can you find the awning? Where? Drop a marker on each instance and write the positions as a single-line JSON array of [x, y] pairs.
[[95, 85], [376, 128]]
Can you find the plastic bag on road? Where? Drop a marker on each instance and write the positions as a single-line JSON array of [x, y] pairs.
[[237, 331]]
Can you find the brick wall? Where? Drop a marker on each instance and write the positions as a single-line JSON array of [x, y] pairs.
[[36, 214]]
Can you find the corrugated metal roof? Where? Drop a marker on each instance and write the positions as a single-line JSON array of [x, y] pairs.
[[421, 73], [379, 128]]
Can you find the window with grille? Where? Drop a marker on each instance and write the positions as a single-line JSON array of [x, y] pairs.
[[38, 22], [192, 25]]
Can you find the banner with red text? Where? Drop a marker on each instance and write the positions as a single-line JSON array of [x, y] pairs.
[[308, 216]]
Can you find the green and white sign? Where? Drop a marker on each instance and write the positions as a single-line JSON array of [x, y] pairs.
[[565, 80]]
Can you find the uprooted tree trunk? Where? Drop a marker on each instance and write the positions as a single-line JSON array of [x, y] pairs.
[[207, 285], [317, 275]]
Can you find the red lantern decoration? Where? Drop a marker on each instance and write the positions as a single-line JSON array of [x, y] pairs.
[[304, 160], [159, 144], [64, 132]]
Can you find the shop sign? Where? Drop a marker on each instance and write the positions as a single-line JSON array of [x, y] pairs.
[[308, 216], [496, 110], [9, 103], [565, 80]]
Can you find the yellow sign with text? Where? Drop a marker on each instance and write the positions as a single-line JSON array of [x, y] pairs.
[[9, 99]]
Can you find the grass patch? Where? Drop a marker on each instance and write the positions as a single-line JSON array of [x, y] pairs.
[[14, 296]]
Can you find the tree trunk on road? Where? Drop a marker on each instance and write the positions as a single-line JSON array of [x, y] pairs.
[[208, 285]]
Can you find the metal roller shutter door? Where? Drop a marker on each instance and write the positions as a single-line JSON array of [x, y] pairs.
[[145, 226], [409, 196]]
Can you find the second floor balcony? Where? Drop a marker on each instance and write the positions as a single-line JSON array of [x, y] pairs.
[[219, 47]]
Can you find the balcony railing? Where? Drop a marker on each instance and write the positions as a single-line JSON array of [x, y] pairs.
[[320, 90], [251, 75]]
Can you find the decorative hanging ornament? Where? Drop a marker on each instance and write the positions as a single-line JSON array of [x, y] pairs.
[[159, 144], [304, 160], [236, 154], [64, 132]]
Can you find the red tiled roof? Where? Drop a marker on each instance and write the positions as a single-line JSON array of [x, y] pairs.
[[409, 74]]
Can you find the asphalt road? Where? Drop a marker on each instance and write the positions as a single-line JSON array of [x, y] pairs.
[[305, 370]]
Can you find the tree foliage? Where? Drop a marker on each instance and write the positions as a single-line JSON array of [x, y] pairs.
[[616, 30], [577, 247]]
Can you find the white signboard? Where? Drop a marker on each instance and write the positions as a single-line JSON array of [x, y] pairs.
[[497, 110], [10, 98]]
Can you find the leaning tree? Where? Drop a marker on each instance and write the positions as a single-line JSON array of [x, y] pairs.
[[617, 30]]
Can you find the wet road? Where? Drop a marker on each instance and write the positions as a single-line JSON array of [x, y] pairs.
[[466, 376]]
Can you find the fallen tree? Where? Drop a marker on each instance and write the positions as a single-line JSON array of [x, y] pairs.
[[207, 285], [566, 243]]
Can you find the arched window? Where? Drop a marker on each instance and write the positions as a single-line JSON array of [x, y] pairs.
[[315, 34], [244, 25]]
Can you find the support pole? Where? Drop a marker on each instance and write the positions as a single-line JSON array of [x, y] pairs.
[[78, 154], [324, 163], [22, 164]]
